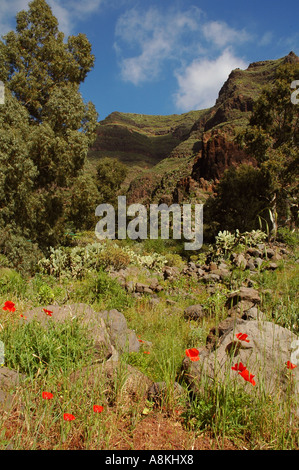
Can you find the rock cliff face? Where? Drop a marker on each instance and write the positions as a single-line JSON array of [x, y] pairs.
[[180, 154], [218, 153]]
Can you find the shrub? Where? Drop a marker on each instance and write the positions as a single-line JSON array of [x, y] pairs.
[[11, 282], [114, 257], [100, 288]]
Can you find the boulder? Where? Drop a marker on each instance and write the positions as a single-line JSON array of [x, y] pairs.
[[121, 383], [159, 391], [240, 261], [108, 329], [9, 381], [265, 355], [122, 338]]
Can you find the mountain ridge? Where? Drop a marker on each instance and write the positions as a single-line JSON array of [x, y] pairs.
[[174, 156]]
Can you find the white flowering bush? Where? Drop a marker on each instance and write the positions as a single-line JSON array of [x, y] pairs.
[[77, 261], [253, 238], [225, 241], [151, 261]]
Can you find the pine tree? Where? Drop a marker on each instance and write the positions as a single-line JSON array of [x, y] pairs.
[[43, 71]]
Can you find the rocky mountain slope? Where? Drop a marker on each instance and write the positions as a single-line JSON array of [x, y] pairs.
[[178, 156]]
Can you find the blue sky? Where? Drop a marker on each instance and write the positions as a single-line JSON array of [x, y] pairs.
[[169, 56]]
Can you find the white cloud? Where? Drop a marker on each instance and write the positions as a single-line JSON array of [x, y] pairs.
[[266, 39], [154, 38], [68, 12], [221, 34], [201, 81], [147, 42]]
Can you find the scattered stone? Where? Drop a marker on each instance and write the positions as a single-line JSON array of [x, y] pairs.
[[250, 265], [270, 253], [240, 261], [254, 252], [213, 267], [194, 312], [200, 272], [108, 329], [211, 277], [192, 266], [141, 287], [122, 338], [271, 267], [258, 262], [170, 272], [130, 286], [244, 293]]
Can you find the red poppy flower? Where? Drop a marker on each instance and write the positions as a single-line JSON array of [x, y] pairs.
[[47, 312], [141, 341], [242, 337], [9, 306], [247, 376], [290, 365], [68, 417], [98, 408], [239, 367], [193, 354], [146, 352], [23, 316], [47, 395]]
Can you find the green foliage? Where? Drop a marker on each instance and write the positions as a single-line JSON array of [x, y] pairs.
[[19, 252], [17, 171], [114, 257], [106, 292], [223, 411], [226, 241], [241, 187], [45, 127], [66, 262], [82, 199], [11, 282], [290, 237], [110, 175], [30, 347], [153, 261], [71, 262]]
